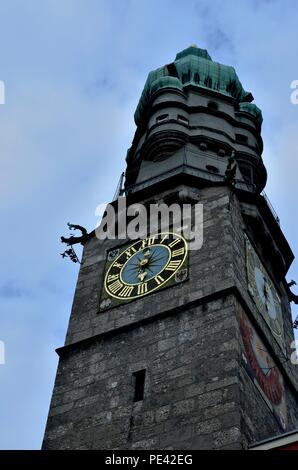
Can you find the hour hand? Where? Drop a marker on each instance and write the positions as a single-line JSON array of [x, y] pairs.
[[142, 275]]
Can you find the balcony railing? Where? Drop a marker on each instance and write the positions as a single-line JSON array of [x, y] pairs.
[[199, 172], [273, 211]]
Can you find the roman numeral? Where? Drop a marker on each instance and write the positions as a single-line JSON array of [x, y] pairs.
[[115, 286], [126, 291], [142, 288], [130, 252], [164, 238], [179, 252], [118, 265], [112, 277], [175, 242], [173, 265], [147, 242], [159, 279]]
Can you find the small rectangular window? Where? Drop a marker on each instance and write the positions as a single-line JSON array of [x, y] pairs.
[[182, 119], [186, 77], [247, 173], [241, 138], [162, 117], [212, 105], [139, 384], [196, 78]]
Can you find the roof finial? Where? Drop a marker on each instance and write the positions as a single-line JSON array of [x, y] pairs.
[[194, 45]]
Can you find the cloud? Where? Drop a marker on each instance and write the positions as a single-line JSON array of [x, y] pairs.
[[10, 290]]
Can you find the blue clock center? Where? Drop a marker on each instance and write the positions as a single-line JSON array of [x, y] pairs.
[[145, 264]]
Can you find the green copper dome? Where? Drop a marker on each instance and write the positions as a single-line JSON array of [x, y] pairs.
[[252, 109], [166, 82], [194, 66]]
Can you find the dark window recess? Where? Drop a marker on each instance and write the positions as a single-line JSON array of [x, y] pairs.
[[139, 384], [182, 118], [221, 152], [241, 138], [196, 77], [208, 82], [212, 105], [162, 117], [231, 87], [172, 70], [247, 173], [212, 168], [186, 77]]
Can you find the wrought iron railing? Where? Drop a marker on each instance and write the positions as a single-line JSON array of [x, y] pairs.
[[200, 172], [273, 211], [119, 189]]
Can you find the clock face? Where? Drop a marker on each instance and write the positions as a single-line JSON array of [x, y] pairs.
[[263, 371], [264, 293], [145, 266]]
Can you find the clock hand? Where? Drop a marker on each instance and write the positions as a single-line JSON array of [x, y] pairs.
[[142, 275], [146, 259], [143, 265]]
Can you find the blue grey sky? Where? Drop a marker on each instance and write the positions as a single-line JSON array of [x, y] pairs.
[[73, 72]]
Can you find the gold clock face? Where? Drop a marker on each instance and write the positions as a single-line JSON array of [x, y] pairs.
[[264, 293], [145, 266]]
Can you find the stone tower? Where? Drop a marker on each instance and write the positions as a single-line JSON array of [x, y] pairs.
[[195, 355]]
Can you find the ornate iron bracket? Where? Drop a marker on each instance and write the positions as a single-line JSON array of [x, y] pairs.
[[71, 254], [72, 240], [292, 297]]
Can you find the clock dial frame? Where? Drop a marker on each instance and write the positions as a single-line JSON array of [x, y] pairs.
[[263, 371], [144, 266], [264, 293]]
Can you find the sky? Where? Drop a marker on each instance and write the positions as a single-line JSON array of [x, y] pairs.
[[73, 72]]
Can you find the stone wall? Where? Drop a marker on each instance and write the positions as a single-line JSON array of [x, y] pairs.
[[191, 397], [197, 394]]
